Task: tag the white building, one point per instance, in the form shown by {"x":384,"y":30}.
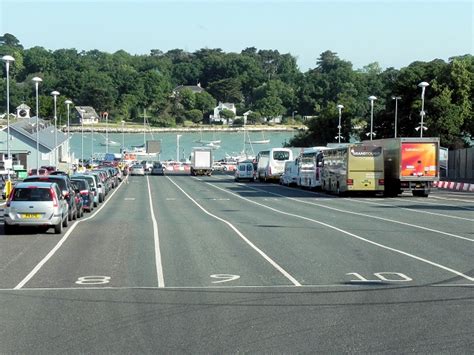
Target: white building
{"x":216,"y":117}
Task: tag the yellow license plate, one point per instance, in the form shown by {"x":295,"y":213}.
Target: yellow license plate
{"x":31,"y":215}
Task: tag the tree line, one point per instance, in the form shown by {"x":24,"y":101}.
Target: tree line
{"x":266,"y":82}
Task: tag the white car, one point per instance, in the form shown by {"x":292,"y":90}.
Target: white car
{"x":137,"y":169}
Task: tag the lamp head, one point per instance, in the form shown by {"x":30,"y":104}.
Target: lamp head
{"x":423,"y":84}
{"x":340,"y":107}
{"x":37,"y":79}
{"x":55,"y":93}
{"x":372,"y":98}
{"x":8,"y":58}
{"x":68,"y":102}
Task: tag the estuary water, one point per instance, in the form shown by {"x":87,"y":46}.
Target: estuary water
{"x":232,"y":143}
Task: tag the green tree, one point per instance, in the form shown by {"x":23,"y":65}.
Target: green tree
{"x":194,"y":115}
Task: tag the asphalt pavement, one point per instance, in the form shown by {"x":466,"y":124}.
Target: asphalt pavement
{"x":181,"y":264}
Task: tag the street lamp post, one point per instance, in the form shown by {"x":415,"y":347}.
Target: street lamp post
{"x":82,"y":136}
{"x":178,"y":136}
{"x":423,"y":86}
{"x":339,"y":107}
{"x":372,"y":99}
{"x":55,"y":95}
{"x":106,"y":132}
{"x":68,"y":103}
{"x":123,"y":136}
{"x":92,"y":138}
{"x":396,"y":98}
{"x":8,"y":59}
{"x":37,"y":80}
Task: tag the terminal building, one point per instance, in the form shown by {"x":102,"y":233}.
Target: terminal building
{"x":23,"y":133}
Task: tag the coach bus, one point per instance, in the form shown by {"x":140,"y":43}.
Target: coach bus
{"x":271,"y":163}
{"x":310,"y":165}
{"x":354,"y":168}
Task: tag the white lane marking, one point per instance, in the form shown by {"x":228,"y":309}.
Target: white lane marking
{"x":156,"y":238}
{"x":368,"y":216}
{"x":224,"y":278}
{"x":170,"y":199}
{"x":414,"y":210}
{"x":253,"y":246}
{"x":349,"y":233}
{"x":453,"y":199}
{"x":106,"y":288}
{"x":62,"y":240}
{"x":129,"y":199}
{"x":427,"y":202}
{"x":454,"y":285}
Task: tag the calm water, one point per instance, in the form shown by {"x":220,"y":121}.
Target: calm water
{"x":232,"y":143}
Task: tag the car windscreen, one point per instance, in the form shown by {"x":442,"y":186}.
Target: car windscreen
{"x":31,"y":194}
{"x":80,"y":184}
{"x":60,"y":181}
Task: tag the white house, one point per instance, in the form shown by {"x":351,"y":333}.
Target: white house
{"x":86,"y":113}
{"x":217,"y":110}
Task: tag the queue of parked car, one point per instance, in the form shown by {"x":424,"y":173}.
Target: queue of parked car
{"x":52,"y":198}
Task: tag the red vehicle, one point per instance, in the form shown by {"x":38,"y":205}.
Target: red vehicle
{"x":49,"y":168}
{"x":41,"y":171}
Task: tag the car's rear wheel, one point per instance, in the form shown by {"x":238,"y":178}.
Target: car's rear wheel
{"x":58,"y":228}
{"x":65,"y":222}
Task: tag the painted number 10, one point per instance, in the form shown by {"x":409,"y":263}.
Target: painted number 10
{"x":382,"y":276}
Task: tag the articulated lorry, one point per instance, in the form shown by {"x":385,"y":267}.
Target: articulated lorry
{"x":410,"y":164}
{"x":201,"y":161}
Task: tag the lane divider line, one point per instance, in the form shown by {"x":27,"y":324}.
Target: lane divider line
{"x":253,"y":246}
{"x":62,"y":240}
{"x":413,"y":210}
{"x":458,"y":273}
{"x":156,"y":239}
{"x":366,"y":215}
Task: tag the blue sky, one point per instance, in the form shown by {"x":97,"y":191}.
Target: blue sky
{"x":393,"y":33}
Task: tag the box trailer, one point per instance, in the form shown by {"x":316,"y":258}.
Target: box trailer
{"x":201,"y":161}
{"x":410,"y":164}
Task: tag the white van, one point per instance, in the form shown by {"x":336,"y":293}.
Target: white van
{"x":244,"y":170}
{"x":271,"y":163}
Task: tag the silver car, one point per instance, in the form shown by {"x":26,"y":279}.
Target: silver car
{"x":137,"y":170}
{"x":37,"y":204}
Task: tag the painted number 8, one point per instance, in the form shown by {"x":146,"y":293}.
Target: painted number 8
{"x":93,"y":280}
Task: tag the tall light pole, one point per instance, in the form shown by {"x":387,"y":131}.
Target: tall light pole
{"x":372,"y":99}
{"x":339,"y":107}
{"x":423,"y":86}
{"x":106,"y":114}
{"x":396,"y":98}
{"x":55,"y":95}
{"x":92,"y":138}
{"x":82,"y":135}
{"x":68,"y":104}
{"x":8,"y":59}
{"x":123,"y":135}
{"x":178,"y":136}
{"x":37,"y":80}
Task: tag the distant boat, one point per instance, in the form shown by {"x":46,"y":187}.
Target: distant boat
{"x":212,"y":145}
{"x":110,"y":143}
{"x":258,"y":141}
{"x":262,"y":141}
{"x":205,"y":142}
